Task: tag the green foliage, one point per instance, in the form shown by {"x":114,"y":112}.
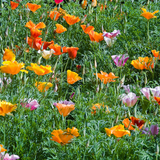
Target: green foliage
{"x":28,"y":133}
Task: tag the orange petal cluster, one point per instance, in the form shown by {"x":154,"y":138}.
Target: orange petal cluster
{"x":34,"y":29}
{"x":87,"y":29}
{"x":157,"y":99}
{"x":60,"y":28}
{"x":54,"y":14}
{"x":94,"y":36}
{"x":134,"y":121}
{"x":72,"y":52}
{"x":117,"y":131}
{"x":84,"y":4}
{"x":43,"y":86}
{"x":8,"y":55}
{"x":2,"y":149}
{"x":148,"y":15}
{"x":105,"y":78}
{"x":72,"y":77}
{"x":156,"y":54}
{"x":33,"y":7}
{"x":14,"y":5}
{"x":70,"y":19}
{"x":11,"y":67}
{"x":6,"y":108}
{"x":56,"y":48}
{"x":40,"y":70}
{"x":98,"y":106}
{"x":143,"y":63}
{"x":65,"y":109}
{"x":64,"y":136}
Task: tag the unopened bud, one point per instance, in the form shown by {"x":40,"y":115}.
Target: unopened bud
{"x":95,"y":63}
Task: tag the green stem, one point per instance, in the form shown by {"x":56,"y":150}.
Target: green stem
{"x":148,"y":30}
{"x":4,"y":130}
{"x":66,"y":64}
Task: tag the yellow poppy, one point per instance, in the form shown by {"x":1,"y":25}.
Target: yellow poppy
{"x":6,"y":108}
{"x":143,"y":63}
{"x":11,"y":67}
{"x":72,"y":77}
{"x":118,"y":131}
{"x":64,"y":136}
{"x":8,"y":55}
{"x":40,"y":70}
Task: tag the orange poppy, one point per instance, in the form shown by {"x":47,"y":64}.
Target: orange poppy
{"x":105,"y":78}
{"x":128,"y":124}
{"x":94,"y":36}
{"x":118,"y":131}
{"x":2,"y":149}
{"x":64,"y":137}
{"x":72,"y":52}
{"x":43,"y":86}
{"x":57,"y":49}
{"x":33,"y":7}
{"x":137,"y":121}
{"x":8,"y":55}
{"x":34,"y":28}
{"x":157,"y":99}
{"x":40,"y":70}
{"x":14,"y":5}
{"x":156,"y":53}
{"x":64,"y":49}
{"x":98,"y":106}
{"x":55,"y":15}
{"x":65,"y":109}
{"x":60,"y":28}
{"x":6,"y":108}
{"x":62,"y":11}
{"x":11,"y":67}
{"x":47,"y":44}
{"x":71,"y":19}
{"x":87,"y":29}
{"x":148,"y":15}
{"x":143,"y":63}
{"x":72,"y":77}
{"x":84,"y":4}
{"x":35,"y":43}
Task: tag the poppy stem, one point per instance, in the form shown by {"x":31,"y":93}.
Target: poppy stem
{"x":66,"y":64}
{"x":148,"y":30}
{"x":4,"y":130}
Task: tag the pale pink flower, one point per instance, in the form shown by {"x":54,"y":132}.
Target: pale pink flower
{"x":110,"y":38}
{"x":120,"y":60}
{"x":12,"y":157}
{"x":151,"y":92}
{"x":30,"y":104}
{"x":112,"y":34}
{"x":130,"y":99}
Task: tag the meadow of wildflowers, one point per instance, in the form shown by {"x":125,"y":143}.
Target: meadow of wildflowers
{"x":80,"y":80}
